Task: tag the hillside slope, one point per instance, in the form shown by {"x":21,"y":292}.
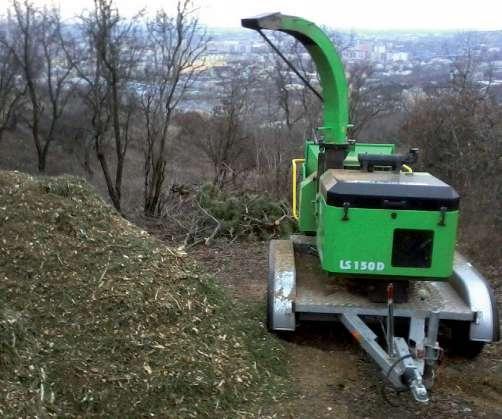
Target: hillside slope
{"x":97,"y":317}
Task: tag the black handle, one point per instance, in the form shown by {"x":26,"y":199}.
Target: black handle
{"x":394,"y":161}
{"x":387,"y":203}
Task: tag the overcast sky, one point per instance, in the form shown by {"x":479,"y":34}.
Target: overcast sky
{"x":353,"y":14}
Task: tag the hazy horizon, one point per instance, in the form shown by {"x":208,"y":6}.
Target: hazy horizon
{"x":366,"y":15}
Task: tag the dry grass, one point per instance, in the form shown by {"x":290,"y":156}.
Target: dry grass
{"x":98,"y":318}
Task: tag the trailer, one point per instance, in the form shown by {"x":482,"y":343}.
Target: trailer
{"x":299,"y":291}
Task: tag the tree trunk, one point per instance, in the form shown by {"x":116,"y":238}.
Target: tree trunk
{"x":154,"y":189}
{"x":114,"y":192}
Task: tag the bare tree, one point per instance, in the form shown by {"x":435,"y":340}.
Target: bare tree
{"x":282,"y":79}
{"x":11,"y":89}
{"x":458,"y":129}
{"x":296,"y":105}
{"x":310,"y":105}
{"x":367,"y":100}
{"x":107,"y":66}
{"x":176,"y":46}
{"x":224,"y":138}
{"x":467,"y":61}
{"x":36,"y":46}
{"x":288,"y":113}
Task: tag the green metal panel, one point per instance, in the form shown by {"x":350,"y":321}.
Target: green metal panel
{"x":308,"y":190}
{"x":308,"y":185}
{"x":348,"y":247}
{"x":311,"y":158}
{"x":328,"y":64}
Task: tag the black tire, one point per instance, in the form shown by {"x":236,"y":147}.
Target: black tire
{"x":471,"y":349}
{"x":460,"y":343}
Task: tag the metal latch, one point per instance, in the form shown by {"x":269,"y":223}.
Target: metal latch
{"x":442,"y":216}
{"x":346,"y":206}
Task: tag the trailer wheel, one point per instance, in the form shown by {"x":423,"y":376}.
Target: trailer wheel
{"x":460,"y":342}
{"x":281,"y":287}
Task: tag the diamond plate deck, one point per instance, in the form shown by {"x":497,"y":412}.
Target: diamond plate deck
{"x":320,"y":293}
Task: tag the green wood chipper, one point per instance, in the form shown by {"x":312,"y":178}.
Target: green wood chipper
{"x":377,"y":240}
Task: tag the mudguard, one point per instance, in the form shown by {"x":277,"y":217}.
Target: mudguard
{"x":478,"y":295}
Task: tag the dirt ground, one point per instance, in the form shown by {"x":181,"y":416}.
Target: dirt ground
{"x":333,"y":378}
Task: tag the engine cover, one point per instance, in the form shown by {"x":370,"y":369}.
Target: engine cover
{"x":386,"y":224}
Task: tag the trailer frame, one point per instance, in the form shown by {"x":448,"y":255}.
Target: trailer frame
{"x":298,"y":291}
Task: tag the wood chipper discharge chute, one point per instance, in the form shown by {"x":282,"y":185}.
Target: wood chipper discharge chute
{"x":377,"y":239}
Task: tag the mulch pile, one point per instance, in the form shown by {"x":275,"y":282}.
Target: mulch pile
{"x":99,"y":318}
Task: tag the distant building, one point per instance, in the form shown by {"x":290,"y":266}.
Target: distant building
{"x":398,"y":56}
